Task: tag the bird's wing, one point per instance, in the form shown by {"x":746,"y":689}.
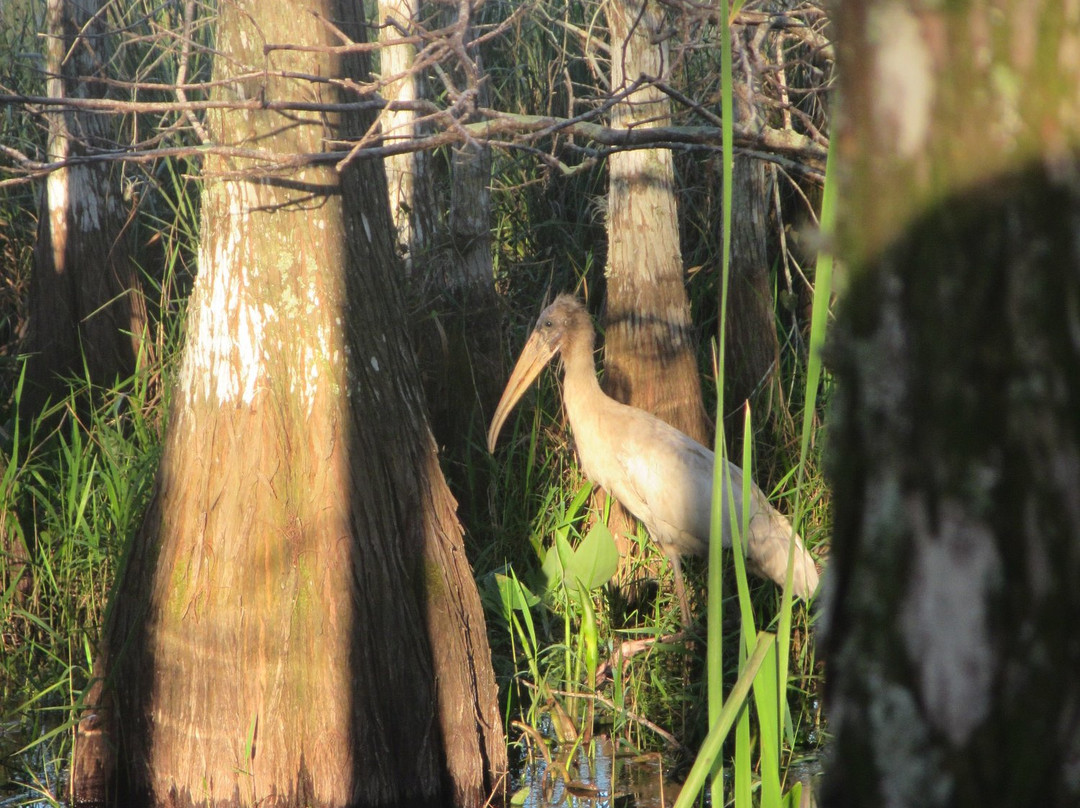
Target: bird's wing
{"x":665,"y":479}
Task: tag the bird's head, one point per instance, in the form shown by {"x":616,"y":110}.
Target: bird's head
{"x":561,"y":322}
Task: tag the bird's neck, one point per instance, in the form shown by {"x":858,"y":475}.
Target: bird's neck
{"x":580,"y":383}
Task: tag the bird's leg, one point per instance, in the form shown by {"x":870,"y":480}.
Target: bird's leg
{"x":628,"y":649}
{"x":680,"y":589}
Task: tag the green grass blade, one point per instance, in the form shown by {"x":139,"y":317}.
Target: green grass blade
{"x":714,"y":632}
{"x":714,"y":741}
{"x":768,"y":693}
{"x":768,"y":696}
{"x":743,"y":762}
{"x":819,"y":321}
{"x":739,"y":530}
{"x":715,"y":615}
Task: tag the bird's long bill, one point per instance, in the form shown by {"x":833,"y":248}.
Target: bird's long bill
{"x":534,"y":357}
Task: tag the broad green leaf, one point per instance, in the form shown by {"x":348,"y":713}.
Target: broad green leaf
{"x":514,"y":593}
{"x":594,"y":561}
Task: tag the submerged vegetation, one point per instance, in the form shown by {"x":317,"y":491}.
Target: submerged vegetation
{"x":584,"y":624}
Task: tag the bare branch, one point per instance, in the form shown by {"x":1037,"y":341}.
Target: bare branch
{"x":181,"y":72}
{"x":498,"y":129}
{"x":794,"y":141}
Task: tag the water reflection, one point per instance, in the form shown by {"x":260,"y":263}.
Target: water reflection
{"x":597,"y":776}
{"x":592,"y":775}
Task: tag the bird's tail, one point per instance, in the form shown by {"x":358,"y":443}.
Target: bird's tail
{"x":767,"y":551}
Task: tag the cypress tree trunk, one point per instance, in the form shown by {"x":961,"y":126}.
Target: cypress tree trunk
{"x":459,"y":337}
{"x":649,"y":358}
{"x":85,"y":313}
{"x":475,"y":765}
{"x":649,"y":353}
{"x":956,"y":441}
{"x":408,"y":175}
{"x":268,"y":639}
{"x":753,"y":352}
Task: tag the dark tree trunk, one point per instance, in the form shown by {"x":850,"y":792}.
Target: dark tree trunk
{"x":956,"y":441}
{"x":85,"y":314}
{"x":458,"y":331}
{"x":475,"y":763}
{"x":296,"y":622}
{"x":752,"y":350}
{"x":753,"y":353}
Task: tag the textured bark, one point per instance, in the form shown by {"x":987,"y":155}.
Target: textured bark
{"x":470,"y":219}
{"x":85,"y":305}
{"x":753,"y":352}
{"x":649,"y":358}
{"x":459,"y":339}
{"x":956,"y":435}
{"x":470,"y":194}
{"x":268,"y":637}
{"x":470,"y":724}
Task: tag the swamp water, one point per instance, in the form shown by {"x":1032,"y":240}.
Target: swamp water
{"x":592,"y":776}
{"x":601,"y":777}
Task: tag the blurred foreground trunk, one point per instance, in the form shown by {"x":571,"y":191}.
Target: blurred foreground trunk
{"x":956,"y":437}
